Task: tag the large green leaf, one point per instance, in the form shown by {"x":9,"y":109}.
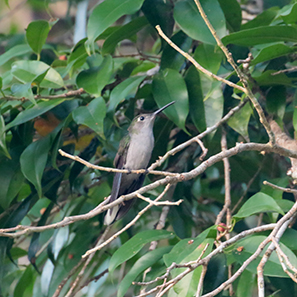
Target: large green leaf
{"x":36,"y":34}
{"x":260,"y":35}
{"x":187,"y":286}
{"x":28,"y":71}
{"x":186,"y":247}
{"x":12,"y":181}
{"x":208,"y":57}
{"x":46,"y":276}
{"x":25,"y":284}
{"x":159,"y":12}
{"x":263,"y":19}
{"x":143,"y":263}
{"x":92,"y":115}
{"x":33,"y":161}
{"x":134,"y":245}
{"x":125,"y":32}
{"x":60,"y":238}
{"x":289,"y":13}
{"x":259,"y":202}
{"x":240,"y":120}
{"x":23,"y":91}
{"x":95,"y":79}
{"x":170,"y":57}
{"x":271,"y":52}
{"x":213,"y":99}
{"x":245,"y":285}
{"x":33,"y":112}
{"x":246,"y":247}
{"x":196,"y":104}
{"x":276,"y":101}
{"x":105,"y":14}
{"x":169,"y":85}
{"x":122,"y":90}
{"x":14,"y":52}
{"x":187,"y":16}
{"x":268,"y":79}
{"x":232,"y":12}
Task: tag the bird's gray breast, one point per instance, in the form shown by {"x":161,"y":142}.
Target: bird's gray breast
{"x":140,"y":150}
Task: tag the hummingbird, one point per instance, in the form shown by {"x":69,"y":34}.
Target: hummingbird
{"x":134,"y":153}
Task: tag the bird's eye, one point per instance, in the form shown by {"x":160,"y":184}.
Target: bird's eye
{"x":141,"y":118}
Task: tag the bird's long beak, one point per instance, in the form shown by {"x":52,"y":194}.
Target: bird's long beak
{"x":162,"y":108}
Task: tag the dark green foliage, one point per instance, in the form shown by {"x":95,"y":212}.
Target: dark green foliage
{"x":42,"y":110}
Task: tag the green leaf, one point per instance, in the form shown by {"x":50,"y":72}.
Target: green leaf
{"x":232,"y":12}
{"x":265,"y":34}
{"x":23,"y":91}
{"x":159,"y":12}
{"x":213,"y":100}
{"x":28,"y":71}
{"x":124,"y":32}
{"x":60,"y":239}
{"x":92,"y":115}
{"x":124,"y":89}
{"x":170,"y":57}
{"x":187,"y":286}
{"x":12,"y":181}
{"x":246,"y":284}
{"x":78,"y":55}
{"x":243,"y":249}
{"x":3,"y":137}
{"x":141,"y":264}
{"x":105,"y":14}
{"x":34,"y":111}
{"x":95,"y":79}
{"x":273,"y":51}
{"x":25,"y":283}
{"x":208,"y":57}
{"x":168,"y":85}
{"x":259,"y":202}
{"x":33,"y":161}
{"x":240,"y":120}
{"x":46,"y":276}
{"x":289,"y":13}
{"x":263,"y":19}
{"x":187,"y":16}
{"x":186,"y":247}
{"x":285,"y":205}
{"x":34,"y":243}
{"x":196,"y":104}
{"x":276,"y":101}
{"x":267,"y":79}
{"x":13,"y":52}
{"x":36,"y":34}
{"x":135,"y":244}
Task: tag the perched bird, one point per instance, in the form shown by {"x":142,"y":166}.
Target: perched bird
{"x":134,"y":153}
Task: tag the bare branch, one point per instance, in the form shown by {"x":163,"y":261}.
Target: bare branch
{"x":151,"y":203}
{"x":195,"y":63}
{"x":247,"y":90}
{"x":108,"y":169}
{"x":239,"y":148}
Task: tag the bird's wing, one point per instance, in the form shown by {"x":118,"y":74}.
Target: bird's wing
{"x":119,"y":163}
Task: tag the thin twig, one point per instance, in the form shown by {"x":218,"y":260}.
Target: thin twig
{"x":216,"y":251}
{"x":239,"y":148}
{"x":246,"y":89}
{"x":87,"y":262}
{"x":195,"y":63}
{"x":209,"y":130}
{"x":99,"y":247}
{"x":115,"y":170}
{"x":63,"y":95}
